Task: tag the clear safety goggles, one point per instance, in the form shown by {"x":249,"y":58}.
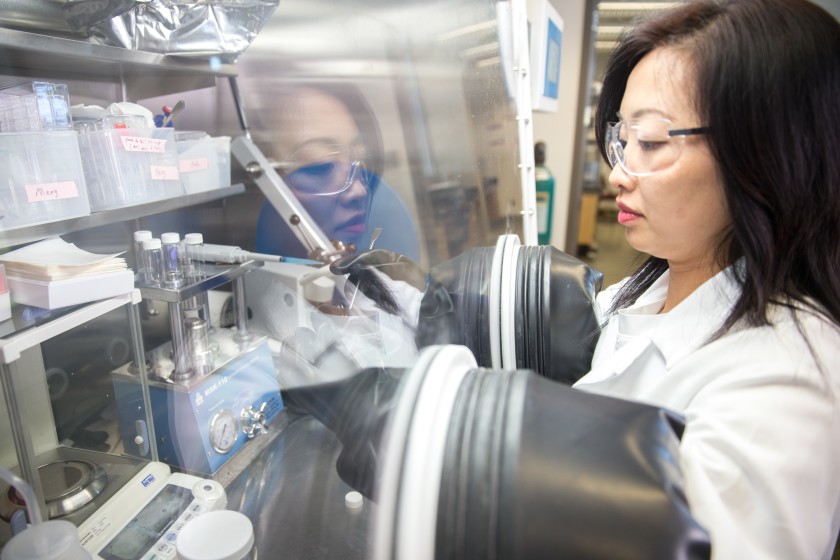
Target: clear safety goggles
{"x":647,"y":145}
{"x":323,"y":169}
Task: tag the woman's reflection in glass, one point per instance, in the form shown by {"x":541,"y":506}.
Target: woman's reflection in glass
{"x":325,"y":143}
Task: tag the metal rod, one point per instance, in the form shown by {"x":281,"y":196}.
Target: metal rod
{"x":23,"y":443}
{"x":179,"y":343}
{"x":241,"y":309}
{"x":140,"y":361}
{"x":240,"y":107}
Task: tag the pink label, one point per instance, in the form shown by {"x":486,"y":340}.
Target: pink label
{"x":51,"y":191}
{"x":189,"y":165}
{"x":142,"y":144}
{"x":164,"y":173}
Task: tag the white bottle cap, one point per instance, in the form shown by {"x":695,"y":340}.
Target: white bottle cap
{"x":194,"y":239}
{"x":149,"y":244}
{"x":142,"y":235}
{"x":216,"y":535}
{"x":170,"y":237}
{"x":354,"y":500}
{"x":319,"y":290}
{"x":50,"y":540}
{"x":210,"y":491}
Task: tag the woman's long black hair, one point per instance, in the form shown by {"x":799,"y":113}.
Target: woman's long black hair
{"x":768,"y":87}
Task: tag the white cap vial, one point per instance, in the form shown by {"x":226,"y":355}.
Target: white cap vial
{"x":192,"y":255}
{"x":152,"y":259}
{"x":194,"y":239}
{"x":170,"y":237}
{"x":139,"y":237}
{"x":171,"y":274}
{"x":150,"y":244}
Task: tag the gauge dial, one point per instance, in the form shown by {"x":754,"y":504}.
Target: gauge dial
{"x":224,"y":429}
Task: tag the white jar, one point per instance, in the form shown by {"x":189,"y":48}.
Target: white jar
{"x":217,"y":535}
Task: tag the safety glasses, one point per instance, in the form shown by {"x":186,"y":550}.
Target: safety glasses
{"x":647,"y":145}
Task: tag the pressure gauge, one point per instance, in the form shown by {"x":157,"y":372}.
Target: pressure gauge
{"x":224,"y":429}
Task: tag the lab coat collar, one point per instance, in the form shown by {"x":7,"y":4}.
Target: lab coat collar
{"x":691,"y":324}
{"x":682,"y":330}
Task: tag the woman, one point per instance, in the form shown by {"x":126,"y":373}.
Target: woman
{"x":720,"y":122}
{"x":325,"y":143}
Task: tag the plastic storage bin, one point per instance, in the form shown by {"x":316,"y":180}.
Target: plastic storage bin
{"x":204,"y":161}
{"x":41,"y":178}
{"x":35,"y":106}
{"x":128,"y":166}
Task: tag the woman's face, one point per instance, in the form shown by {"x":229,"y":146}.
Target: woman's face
{"x":678,"y":213}
{"x":321,"y":147}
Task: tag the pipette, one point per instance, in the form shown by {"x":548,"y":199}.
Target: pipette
{"x":231,"y":254}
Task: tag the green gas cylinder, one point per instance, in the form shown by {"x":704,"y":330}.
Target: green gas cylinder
{"x":545,"y":195}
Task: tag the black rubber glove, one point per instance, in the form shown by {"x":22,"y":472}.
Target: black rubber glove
{"x":356,"y":410}
{"x":554,"y":313}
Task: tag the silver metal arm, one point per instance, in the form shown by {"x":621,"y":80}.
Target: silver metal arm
{"x":284,"y":201}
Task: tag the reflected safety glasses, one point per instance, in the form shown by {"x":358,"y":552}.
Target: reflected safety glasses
{"x":646,"y":145}
{"x":323,"y":169}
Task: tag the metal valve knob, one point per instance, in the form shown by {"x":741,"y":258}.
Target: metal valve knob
{"x":253,"y":421}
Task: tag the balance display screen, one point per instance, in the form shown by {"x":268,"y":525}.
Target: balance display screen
{"x":149,"y":524}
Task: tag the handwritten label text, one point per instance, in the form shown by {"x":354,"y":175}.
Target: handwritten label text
{"x":51,"y":191}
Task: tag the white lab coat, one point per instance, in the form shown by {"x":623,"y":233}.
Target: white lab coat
{"x":761,"y":450}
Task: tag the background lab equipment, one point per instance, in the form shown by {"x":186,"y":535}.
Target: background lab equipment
{"x":449,"y":108}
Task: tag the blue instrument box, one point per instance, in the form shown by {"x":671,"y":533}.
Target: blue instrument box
{"x":199,"y":425}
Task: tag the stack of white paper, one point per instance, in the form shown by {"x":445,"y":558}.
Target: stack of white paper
{"x":55,"y":259}
{"x":53,"y":273}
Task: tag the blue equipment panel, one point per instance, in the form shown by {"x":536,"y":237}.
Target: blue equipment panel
{"x":199,"y":426}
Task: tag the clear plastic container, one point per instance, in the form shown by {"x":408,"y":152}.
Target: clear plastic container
{"x":125,"y":165}
{"x":204,"y":161}
{"x":50,"y":540}
{"x":41,"y":178}
{"x":35,"y":106}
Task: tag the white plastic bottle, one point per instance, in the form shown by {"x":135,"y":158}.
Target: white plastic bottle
{"x":50,"y":540}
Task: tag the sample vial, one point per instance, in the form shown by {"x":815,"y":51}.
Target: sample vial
{"x":193,"y":242}
{"x":152,"y":262}
{"x":194,"y":269}
{"x":139,"y":237}
{"x":172,"y":274}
